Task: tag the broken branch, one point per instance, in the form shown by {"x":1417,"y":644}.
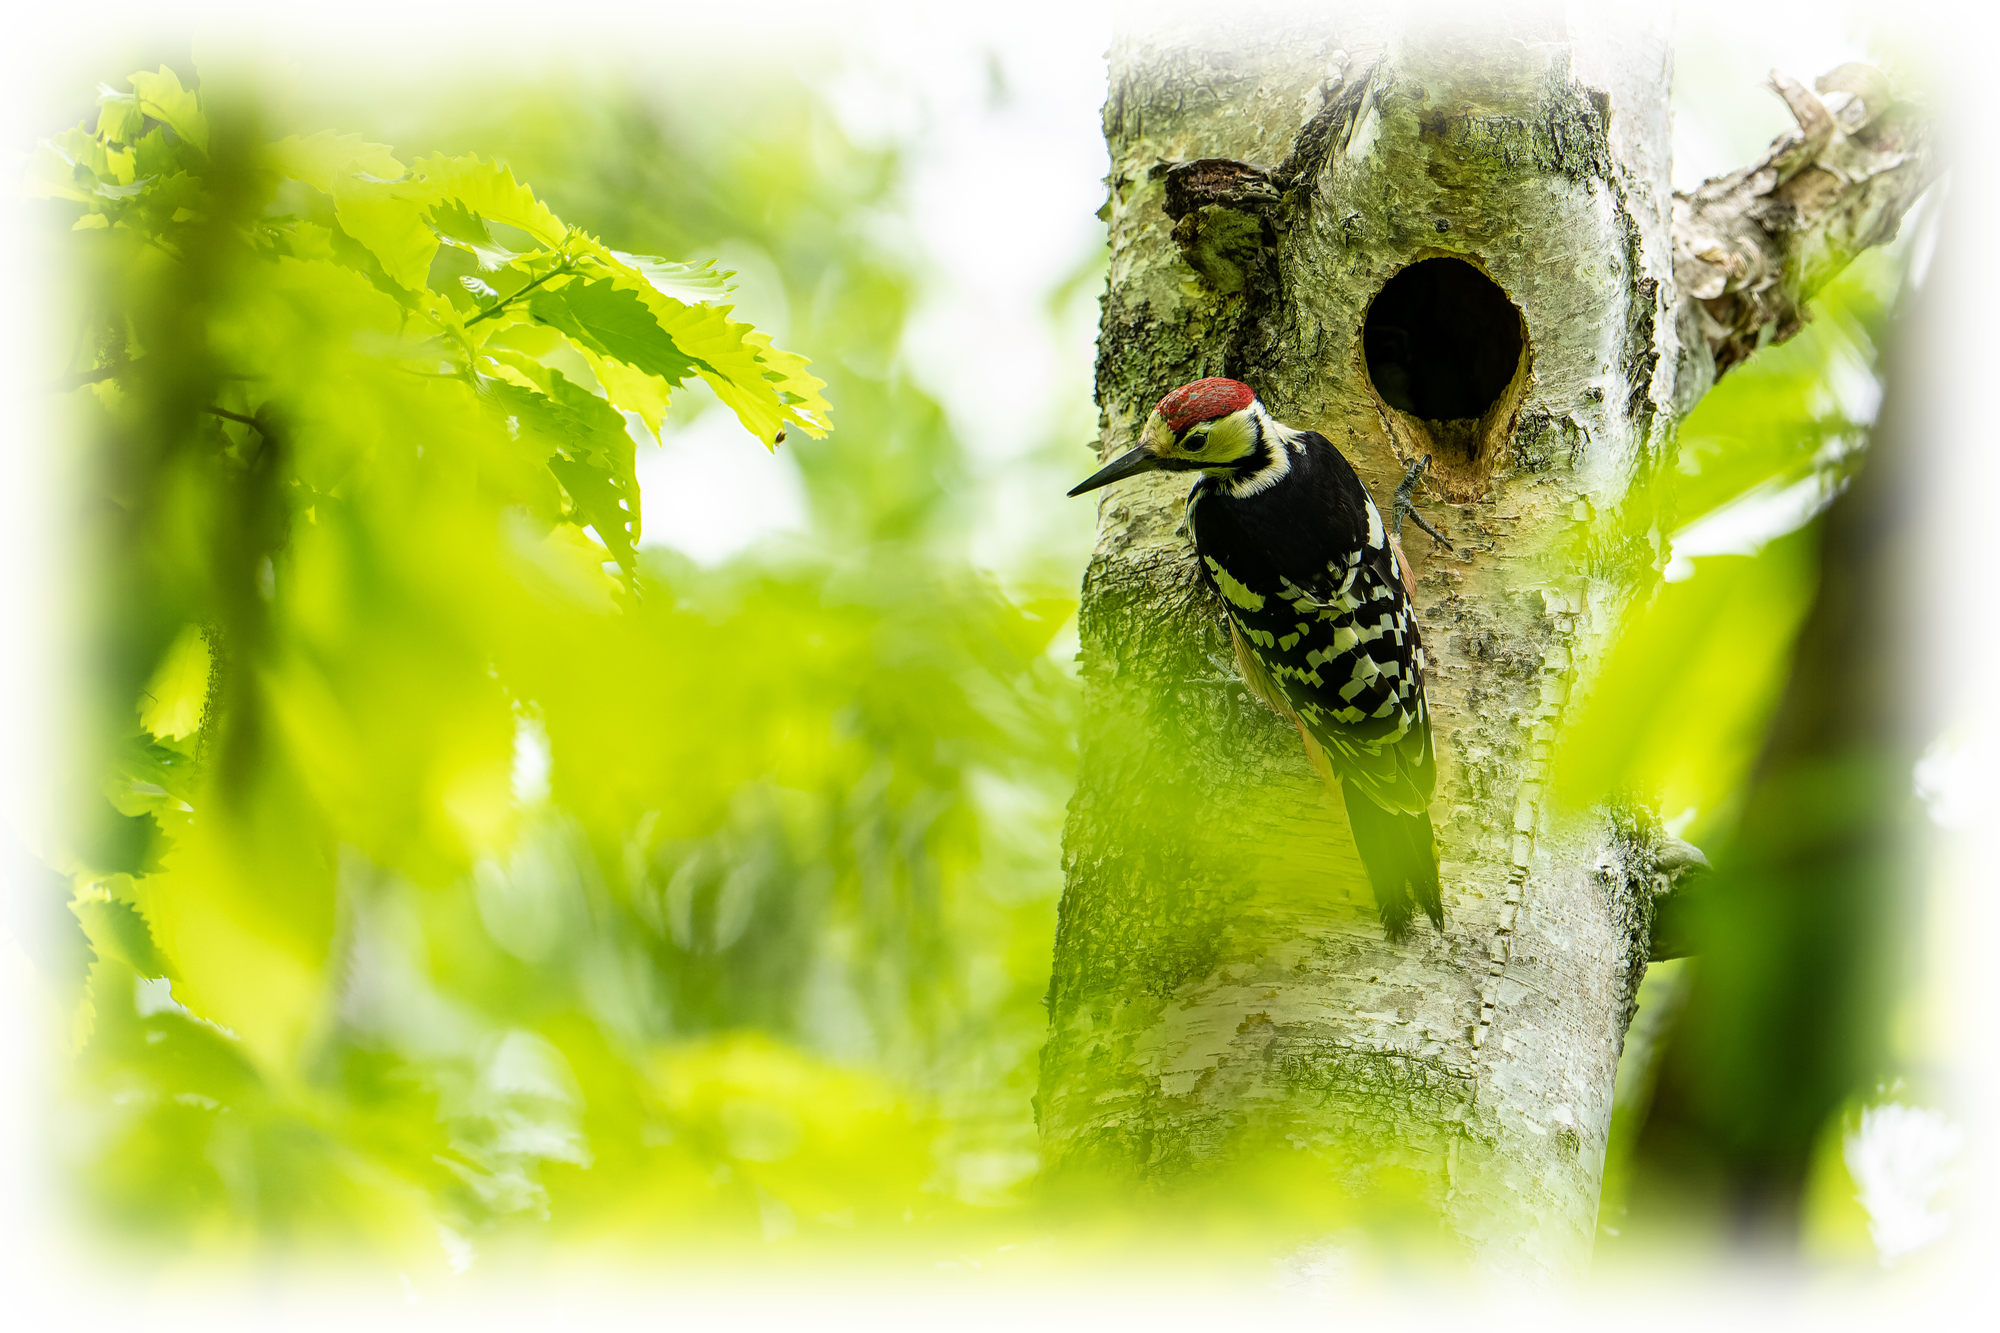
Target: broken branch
{"x":1752,"y":247}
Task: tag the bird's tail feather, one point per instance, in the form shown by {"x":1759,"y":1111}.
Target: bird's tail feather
{"x":1400,"y":853}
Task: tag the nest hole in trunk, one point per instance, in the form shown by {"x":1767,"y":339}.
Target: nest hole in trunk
{"x":1447,"y":353}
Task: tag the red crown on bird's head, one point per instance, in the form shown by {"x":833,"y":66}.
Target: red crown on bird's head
{"x":1204,"y":400}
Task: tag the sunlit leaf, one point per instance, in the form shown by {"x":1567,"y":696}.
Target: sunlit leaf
{"x":455,"y":226}
{"x":119,"y":117}
{"x":318,"y":159}
{"x":488,"y":190}
{"x":162,"y":97}
{"x":591,"y":453}
{"x":694,"y":283}
{"x":764,"y":387}
{"x":53,"y":174}
{"x":390,"y":225}
{"x":116,"y":930}
{"x":176,"y":696}
{"x":108,"y":167}
{"x":613,"y":323}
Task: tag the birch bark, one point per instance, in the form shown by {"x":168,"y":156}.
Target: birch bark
{"x":1222,"y":997}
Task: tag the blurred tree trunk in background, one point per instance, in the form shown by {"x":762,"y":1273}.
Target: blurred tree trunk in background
{"x":1810,"y":920}
{"x":1224,"y":1010}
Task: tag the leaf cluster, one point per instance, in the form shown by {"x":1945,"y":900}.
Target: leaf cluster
{"x":281,"y":347}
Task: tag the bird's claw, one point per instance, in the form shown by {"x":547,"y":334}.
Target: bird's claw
{"x":1405,"y":505}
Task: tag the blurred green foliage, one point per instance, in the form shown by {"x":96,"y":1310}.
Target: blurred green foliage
{"x":1757,"y":461}
{"x":387,"y":831}
{"x":437,"y":909}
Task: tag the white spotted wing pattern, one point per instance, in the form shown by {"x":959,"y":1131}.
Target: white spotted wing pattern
{"x":1341,"y":653}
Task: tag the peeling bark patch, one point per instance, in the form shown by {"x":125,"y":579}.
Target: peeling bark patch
{"x":1542,"y":440}
{"x":1328,"y":131}
{"x":1217,"y":181}
{"x":1440,"y":1091}
{"x":1558,"y":669}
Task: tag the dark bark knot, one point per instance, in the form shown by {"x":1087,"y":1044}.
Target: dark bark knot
{"x":1224,"y":215}
{"x":1229,"y":218}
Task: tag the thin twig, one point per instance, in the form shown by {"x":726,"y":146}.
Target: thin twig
{"x":507,"y":300}
{"x":228,"y":415}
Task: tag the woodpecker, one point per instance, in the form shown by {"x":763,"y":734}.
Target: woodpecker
{"x":1319,"y":612}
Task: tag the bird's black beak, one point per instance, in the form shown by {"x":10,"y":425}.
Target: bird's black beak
{"x":1140,"y":458}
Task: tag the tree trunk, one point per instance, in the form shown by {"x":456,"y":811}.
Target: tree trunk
{"x":1223,"y":998}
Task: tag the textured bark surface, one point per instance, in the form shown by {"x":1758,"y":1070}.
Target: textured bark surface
{"x":1222,"y":990}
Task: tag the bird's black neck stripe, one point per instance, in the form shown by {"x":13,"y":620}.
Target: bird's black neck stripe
{"x":1269,"y":461}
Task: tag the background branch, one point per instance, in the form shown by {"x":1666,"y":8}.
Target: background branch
{"x":1751,"y":247}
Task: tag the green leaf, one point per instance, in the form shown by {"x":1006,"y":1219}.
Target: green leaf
{"x":785,"y":391}
{"x":154,"y":156}
{"x":317,"y":159}
{"x":615,"y":323}
{"x":162,"y":97}
{"x":389,"y":226}
{"x":41,"y":917}
{"x":592,"y":455}
{"x":103,"y":837}
{"x":468,"y":231}
{"x":83,"y":149}
{"x":696,"y":284}
{"x":596,"y":494}
{"x":489,"y":190}
{"x":123,"y":933}
{"x":119,"y":118}
{"x":155,"y":776}
{"x":766,"y":388}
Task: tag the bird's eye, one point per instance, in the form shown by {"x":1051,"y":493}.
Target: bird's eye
{"x":1195,"y":440}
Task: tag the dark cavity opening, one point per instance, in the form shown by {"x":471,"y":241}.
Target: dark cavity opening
{"x":1442,"y":340}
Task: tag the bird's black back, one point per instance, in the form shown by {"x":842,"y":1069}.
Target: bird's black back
{"x":1306,"y":571}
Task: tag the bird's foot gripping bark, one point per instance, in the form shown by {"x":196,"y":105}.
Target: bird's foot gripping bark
{"x":1405,"y":505}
